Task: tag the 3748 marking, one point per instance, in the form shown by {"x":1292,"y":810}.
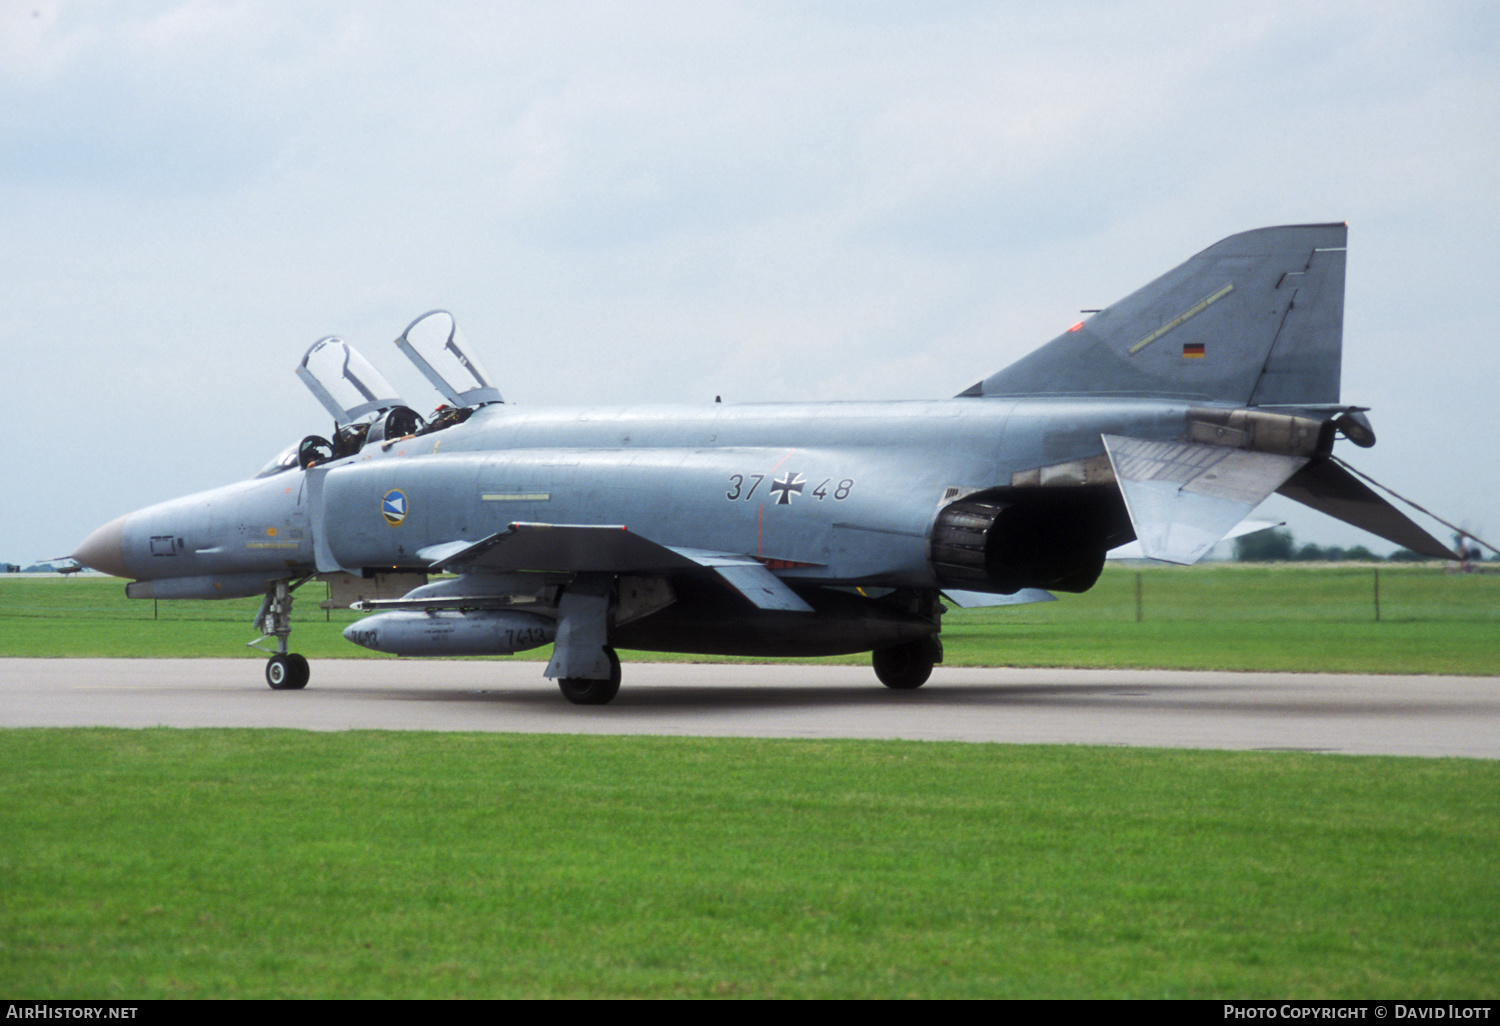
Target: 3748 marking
{"x":783,"y":488}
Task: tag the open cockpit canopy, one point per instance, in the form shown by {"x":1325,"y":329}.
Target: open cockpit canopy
{"x":434,"y":343}
{"x":365,"y":407}
{"x":345,"y":382}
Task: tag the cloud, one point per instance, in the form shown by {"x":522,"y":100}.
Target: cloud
{"x":660,"y":201}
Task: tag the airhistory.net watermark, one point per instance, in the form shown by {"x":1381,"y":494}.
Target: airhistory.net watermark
{"x":53,"y":1010}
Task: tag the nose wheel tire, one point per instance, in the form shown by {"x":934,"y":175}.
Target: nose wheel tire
{"x":287,"y":672}
{"x":582,"y":691}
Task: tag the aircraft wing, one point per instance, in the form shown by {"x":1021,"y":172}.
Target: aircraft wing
{"x":610,"y":548}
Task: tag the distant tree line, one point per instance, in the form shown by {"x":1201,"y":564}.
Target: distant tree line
{"x":1278,"y":546}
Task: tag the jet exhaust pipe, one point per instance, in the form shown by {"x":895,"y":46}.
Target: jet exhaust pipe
{"x":998,"y":546}
{"x":480,"y":632}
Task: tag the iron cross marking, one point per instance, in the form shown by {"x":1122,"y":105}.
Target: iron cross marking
{"x":785,"y":486}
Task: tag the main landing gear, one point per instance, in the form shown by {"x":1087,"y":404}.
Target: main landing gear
{"x":285,"y":671}
{"x":581,"y":652}
{"x":904,"y":667}
{"x":582,"y":691}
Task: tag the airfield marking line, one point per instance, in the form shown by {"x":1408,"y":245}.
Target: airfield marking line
{"x":115,"y":687}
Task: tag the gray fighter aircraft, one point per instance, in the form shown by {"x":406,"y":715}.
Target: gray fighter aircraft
{"x":788,"y":529}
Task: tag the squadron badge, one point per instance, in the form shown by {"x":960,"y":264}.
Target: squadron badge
{"x":393,"y":506}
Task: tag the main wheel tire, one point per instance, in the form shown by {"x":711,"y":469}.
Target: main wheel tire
{"x":583,"y":691}
{"x":287,"y":672}
{"x":904,"y":667}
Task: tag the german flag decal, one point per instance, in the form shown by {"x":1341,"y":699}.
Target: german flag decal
{"x":1192,"y":350}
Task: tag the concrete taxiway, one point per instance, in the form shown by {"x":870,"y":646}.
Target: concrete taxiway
{"x":1429,"y":716}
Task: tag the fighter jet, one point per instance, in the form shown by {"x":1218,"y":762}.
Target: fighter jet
{"x":784,"y":529}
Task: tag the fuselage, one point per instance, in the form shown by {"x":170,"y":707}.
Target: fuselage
{"x":822,"y":492}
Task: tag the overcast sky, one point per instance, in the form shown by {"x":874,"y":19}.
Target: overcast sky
{"x":661,"y":202}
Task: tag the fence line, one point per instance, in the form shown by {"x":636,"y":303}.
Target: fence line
{"x":1251,"y":592}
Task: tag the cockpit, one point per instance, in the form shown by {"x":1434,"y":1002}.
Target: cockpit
{"x":365,"y":407}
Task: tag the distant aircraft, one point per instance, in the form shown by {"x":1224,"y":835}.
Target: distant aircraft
{"x":65,"y":569}
{"x":784,"y":529}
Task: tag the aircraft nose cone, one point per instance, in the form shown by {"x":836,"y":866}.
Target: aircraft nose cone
{"x":101,"y":550}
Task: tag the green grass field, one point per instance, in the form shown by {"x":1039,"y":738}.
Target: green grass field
{"x":216,"y":863}
{"x":1228,"y":617}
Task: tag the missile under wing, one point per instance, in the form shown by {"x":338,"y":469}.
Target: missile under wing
{"x":785,"y":529}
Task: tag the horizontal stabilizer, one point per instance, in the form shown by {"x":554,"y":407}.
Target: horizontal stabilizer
{"x":1184,"y":497}
{"x":603,"y":548}
{"x":1329,"y":488}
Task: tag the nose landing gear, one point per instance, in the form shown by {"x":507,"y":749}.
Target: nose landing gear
{"x":285,"y":671}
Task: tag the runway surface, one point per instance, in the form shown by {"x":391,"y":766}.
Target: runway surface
{"x":1431,"y":716}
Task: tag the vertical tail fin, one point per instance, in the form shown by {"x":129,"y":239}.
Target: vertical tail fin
{"x":1256,"y":320}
